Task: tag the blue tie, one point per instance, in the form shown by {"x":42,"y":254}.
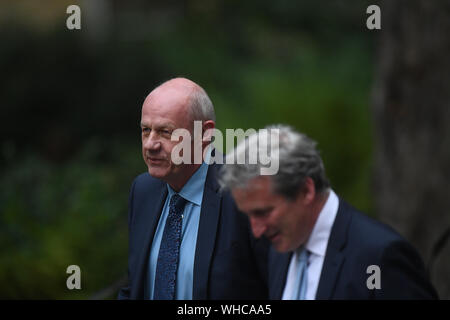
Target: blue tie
{"x":166,"y":269}
{"x":302,"y":276}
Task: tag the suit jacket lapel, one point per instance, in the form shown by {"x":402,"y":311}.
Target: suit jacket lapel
{"x":278,"y":269}
{"x":151,"y":212}
{"x":207,"y":231}
{"x":334,"y":256}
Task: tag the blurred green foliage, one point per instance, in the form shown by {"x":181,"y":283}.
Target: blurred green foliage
{"x":71,"y":106}
{"x":54,"y":216}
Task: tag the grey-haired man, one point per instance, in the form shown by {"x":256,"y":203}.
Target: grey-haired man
{"x":322,"y":248}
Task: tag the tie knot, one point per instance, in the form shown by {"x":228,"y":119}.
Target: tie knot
{"x":177,"y":202}
{"x":303,"y":256}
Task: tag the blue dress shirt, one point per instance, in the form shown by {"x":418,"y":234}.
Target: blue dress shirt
{"x":193,"y":192}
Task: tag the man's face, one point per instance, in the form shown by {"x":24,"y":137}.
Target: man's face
{"x":287,"y":224}
{"x":163,"y":111}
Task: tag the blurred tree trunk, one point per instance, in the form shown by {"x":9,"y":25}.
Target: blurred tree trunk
{"x":411,"y":108}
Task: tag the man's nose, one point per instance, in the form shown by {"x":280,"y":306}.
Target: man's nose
{"x":258,"y":227}
{"x":152,"y":142}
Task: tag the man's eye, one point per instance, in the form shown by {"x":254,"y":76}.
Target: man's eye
{"x":166,"y":132}
{"x":145,"y":130}
{"x":261,"y":213}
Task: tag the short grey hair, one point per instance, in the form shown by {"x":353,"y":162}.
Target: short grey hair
{"x":298,"y":159}
{"x":201,"y":105}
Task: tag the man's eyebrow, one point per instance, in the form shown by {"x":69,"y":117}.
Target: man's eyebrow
{"x":160,"y":126}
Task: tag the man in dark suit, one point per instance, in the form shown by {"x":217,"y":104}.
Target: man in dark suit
{"x":186,"y":238}
{"x":322,"y":248}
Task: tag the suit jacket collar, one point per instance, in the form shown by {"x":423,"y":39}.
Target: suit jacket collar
{"x":151,"y":212}
{"x":278,"y":269}
{"x":207,"y":231}
{"x":334,"y":256}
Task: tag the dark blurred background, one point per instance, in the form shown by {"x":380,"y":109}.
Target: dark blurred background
{"x":376,"y":101}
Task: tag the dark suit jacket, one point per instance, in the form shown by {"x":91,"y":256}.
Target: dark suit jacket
{"x":229,"y":262}
{"x":356,"y":242}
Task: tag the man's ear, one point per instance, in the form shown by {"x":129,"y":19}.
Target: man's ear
{"x":308,"y":191}
{"x":207,"y":131}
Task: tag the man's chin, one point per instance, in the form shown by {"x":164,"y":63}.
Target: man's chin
{"x":157,"y":173}
{"x":281,"y":247}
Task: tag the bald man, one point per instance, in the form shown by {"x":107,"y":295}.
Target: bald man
{"x":187,"y":240}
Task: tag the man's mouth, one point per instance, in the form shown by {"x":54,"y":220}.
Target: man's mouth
{"x":153,"y":160}
{"x":273,"y":237}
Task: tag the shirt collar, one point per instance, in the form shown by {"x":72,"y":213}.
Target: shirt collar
{"x":318,"y":240}
{"x":193,"y":189}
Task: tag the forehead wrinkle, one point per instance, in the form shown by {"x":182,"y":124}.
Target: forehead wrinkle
{"x":183,"y":91}
{"x":158,"y":124}
{"x":182,"y":98}
{"x":165,"y":106}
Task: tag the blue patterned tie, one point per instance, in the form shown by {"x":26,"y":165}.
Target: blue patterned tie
{"x":166,"y":269}
{"x":302,"y":277}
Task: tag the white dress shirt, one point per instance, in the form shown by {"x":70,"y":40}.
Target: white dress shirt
{"x":317,"y":246}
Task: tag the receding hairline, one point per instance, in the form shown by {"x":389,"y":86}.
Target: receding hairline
{"x":187,"y":87}
{"x":183,"y":84}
